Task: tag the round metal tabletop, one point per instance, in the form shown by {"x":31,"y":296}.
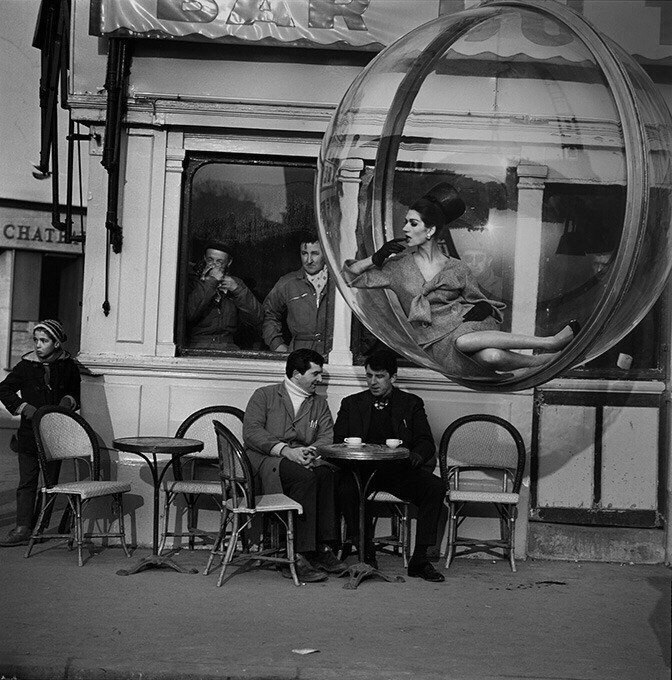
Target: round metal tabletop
{"x":374,"y":452}
{"x":157,"y":445}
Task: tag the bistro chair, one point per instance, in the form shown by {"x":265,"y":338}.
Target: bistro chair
{"x":241,"y":501}
{"x":188,"y":470}
{"x":399,"y":538}
{"x":62,"y":434}
{"x":482,"y":458}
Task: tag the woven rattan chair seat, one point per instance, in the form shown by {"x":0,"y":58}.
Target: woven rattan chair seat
{"x":483,"y":496}
{"x":195,"y":486}
{"x":272,"y":502}
{"x":90,"y":489}
{"x":385,"y":497}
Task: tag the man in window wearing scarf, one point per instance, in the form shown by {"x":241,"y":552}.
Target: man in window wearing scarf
{"x":44,"y":377}
{"x":283,"y":425}
{"x":304,"y":300}
{"x":384,"y":412}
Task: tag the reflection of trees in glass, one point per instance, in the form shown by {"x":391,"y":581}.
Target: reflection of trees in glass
{"x":579,"y":221}
{"x":260,"y":222}
{"x":223,"y":212}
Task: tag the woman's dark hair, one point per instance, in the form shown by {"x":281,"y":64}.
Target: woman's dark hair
{"x":300,"y":360}
{"x":441,"y":205}
{"x":382,"y":360}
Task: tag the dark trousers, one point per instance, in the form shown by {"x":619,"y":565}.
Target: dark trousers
{"x":315,"y":489}
{"x":420,"y":487}
{"x":29,"y":475}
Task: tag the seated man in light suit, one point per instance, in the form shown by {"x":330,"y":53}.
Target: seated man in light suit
{"x":282,"y":426}
{"x":384,"y":412}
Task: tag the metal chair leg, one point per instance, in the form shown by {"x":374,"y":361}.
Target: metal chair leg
{"x":405,"y":534}
{"x":80,"y":530}
{"x":396,"y":529}
{"x":166,"y":518}
{"x":452,"y":534}
{"x":231,"y":548}
{"x":223,"y":521}
{"x":36,"y":532}
{"x":290,"y":547}
{"x":71,"y":526}
{"x":120,"y":519}
{"x":512,"y":539}
{"x":191,"y":519}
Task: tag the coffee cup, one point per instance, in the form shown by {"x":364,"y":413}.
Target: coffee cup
{"x":393,"y":443}
{"x":353,"y":441}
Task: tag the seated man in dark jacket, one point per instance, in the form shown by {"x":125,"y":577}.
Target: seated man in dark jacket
{"x":383,"y":412}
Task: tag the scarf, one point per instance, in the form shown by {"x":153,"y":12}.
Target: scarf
{"x":319,"y":281}
{"x":297,"y":394}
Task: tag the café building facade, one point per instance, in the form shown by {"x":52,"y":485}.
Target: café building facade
{"x":225,"y":107}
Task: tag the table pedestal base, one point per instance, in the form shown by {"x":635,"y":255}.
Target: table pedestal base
{"x":156,"y":562}
{"x":358,"y":572}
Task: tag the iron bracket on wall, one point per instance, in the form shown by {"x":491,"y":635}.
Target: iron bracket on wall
{"x":116,"y":84}
{"x":52,"y":38}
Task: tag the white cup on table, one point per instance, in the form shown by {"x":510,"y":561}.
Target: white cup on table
{"x":393,"y":443}
{"x":353,"y":441}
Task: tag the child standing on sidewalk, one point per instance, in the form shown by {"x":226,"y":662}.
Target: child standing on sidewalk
{"x":45,"y":377}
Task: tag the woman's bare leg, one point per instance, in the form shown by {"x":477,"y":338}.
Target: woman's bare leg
{"x":506,"y":360}
{"x":470,"y":343}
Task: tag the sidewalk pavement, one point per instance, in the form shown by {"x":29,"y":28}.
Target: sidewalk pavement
{"x":550,"y":620}
{"x":559,"y":620}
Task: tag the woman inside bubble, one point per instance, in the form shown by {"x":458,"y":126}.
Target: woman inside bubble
{"x":451,"y":319}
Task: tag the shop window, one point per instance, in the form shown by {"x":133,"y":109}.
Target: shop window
{"x":260,"y":210}
{"x":582,"y":231}
{"x":638,"y":356}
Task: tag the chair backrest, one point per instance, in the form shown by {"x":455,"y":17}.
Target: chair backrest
{"x":483,"y":441}
{"x":61,"y":434}
{"x":198,"y":425}
{"x":235,"y":470}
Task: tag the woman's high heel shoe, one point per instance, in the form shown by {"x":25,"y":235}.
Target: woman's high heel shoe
{"x":575,"y":326}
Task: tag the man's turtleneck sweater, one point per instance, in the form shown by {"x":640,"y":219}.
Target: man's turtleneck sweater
{"x":297,"y":396}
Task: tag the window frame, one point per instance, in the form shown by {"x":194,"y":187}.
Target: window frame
{"x":194,"y":160}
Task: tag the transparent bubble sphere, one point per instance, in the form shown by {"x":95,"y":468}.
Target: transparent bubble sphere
{"x":557,"y":146}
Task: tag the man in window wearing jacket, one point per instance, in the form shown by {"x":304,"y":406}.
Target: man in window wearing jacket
{"x":304,"y":300}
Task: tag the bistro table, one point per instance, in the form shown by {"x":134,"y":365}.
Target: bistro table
{"x":144,"y":447}
{"x":354,"y":455}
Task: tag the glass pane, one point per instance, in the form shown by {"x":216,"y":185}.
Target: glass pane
{"x":244,"y":222}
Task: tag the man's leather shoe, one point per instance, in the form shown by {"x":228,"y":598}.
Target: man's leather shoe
{"x":17,"y":536}
{"x":327,"y":561}
{"x":426,"y":570}
{"x":305,"y":571}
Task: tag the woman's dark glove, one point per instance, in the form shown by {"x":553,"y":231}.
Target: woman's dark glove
{"x":389,"y":248}
{"x":481,"y":310}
